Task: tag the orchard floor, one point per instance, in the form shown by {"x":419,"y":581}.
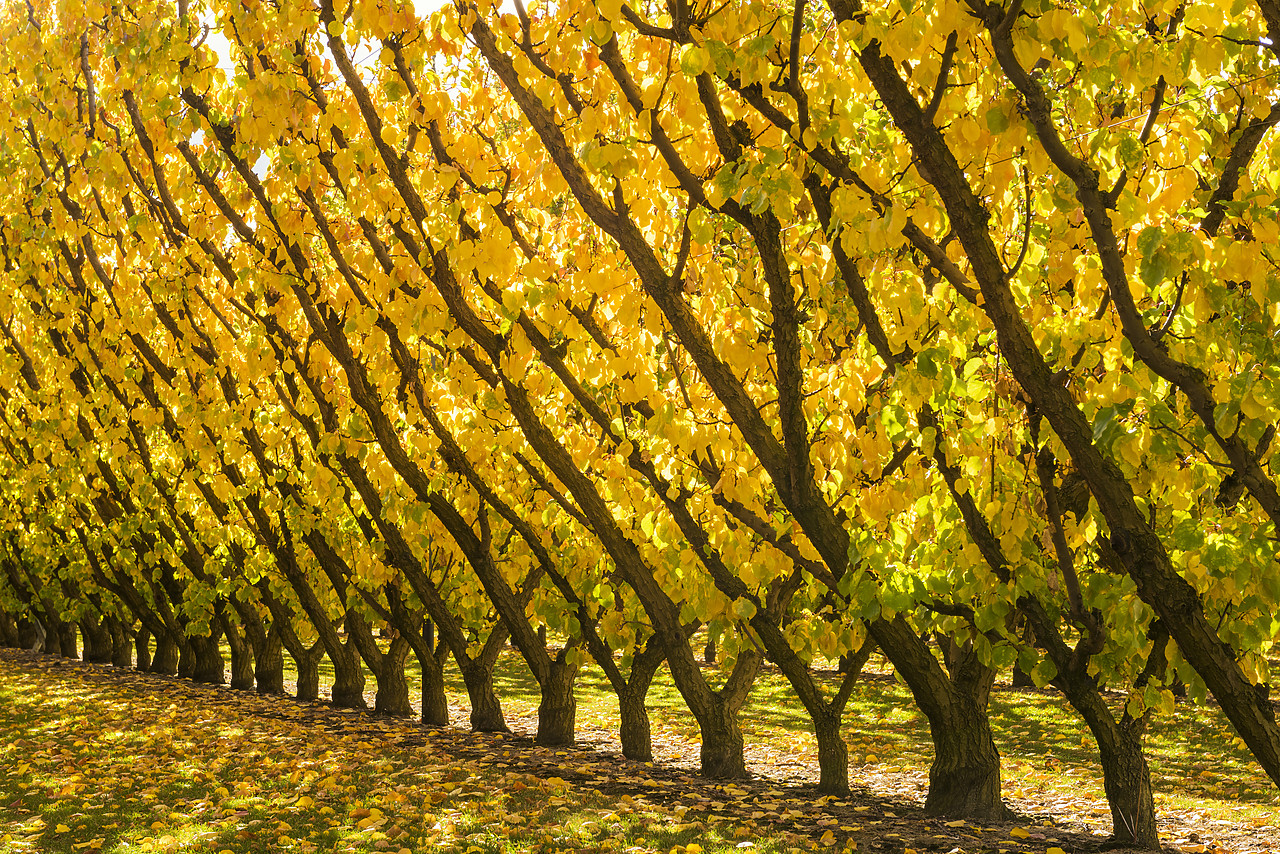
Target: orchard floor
{"x":98,"y":759}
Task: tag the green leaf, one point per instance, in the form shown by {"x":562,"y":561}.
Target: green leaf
{"x":694,"y":59}
{"x":997,"y":120}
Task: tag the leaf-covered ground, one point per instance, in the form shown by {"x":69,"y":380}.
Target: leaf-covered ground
{"x":95,"y":759}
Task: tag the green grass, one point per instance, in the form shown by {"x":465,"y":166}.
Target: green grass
{"x":1050,"y":759}
{"x":1204,"y":778}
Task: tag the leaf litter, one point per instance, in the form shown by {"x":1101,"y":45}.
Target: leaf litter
{"x":93,"y":758}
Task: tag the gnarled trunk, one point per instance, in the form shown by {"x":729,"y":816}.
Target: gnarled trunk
{"x":486,"y":711}
{"x":142,"y":646}
{"x":431,"y":658}
{"x":121,"y":643}
{"x":207,"y":665}
{"x":721,"y":754}
{"x":1126,"y":778}
{"x":833,"y":754}
{"x":242,"y":667}
{"x":558,"y":708}
{"x":8,"y":630}
{"x":1127,"y":782}
{"x":393,"y":689}
{"x":97,"y":640}
{"x":67,"y":640}
{"x":964,"y":779}
{"x":348,"y":678}
{"x":637,"y":739}
{"x":308,"y":675}
{"x":165,"y":659}
{"x":268,"y":664}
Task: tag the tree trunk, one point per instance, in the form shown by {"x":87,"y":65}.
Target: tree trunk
{"x":486,"y":711}
{"x":721,"y":754}
{"x":242,"y":667}
{"x":637,"y":740}
{"x":29,"y":634}
{"x":557,"y":711}
{"x":166,"y":658}
{"x":142,"y":645}
{"x":393,"y":689}
{"x":8,"y":630}
{"x":207,"y":665}
{"x":268,"y":664}
{"x":121,"y":643}
{"x":97,"y":640}
{"x":186,"y":659}
{"x":348,"y":679}
{"x":431,"y":659}
{"x":1125,"y":776}
{"x":964,"y":779}
{"x":1127,"y":781}
{"x":50,"y":643}
{"x":308,"y":665}
{"x":67,"y":640}
{"x":833,"y":754}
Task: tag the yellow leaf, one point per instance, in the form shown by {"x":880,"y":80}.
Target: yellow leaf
{"x":1055,"y":851}
{"x":828,"y":838}
{"x":62,"y":828}
{"x":955,"y":824}
{"x":1019,"y":833}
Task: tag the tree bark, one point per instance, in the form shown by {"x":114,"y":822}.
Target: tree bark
{"x":97,"y":640}
{"x":308,"y":665}
{"x":634,"y":732}
{"x":431,"y":659}
{"x":486,"y":710}
{"x":242,"y":666}
{"x":833,"y":754}
{"x":393,"y":689}
{"x":348,"y":678}
{"x":8,"y":630}
{"x":121,"y":642}
{"x":721,"y":754}
{"x":207,"y":665}
{"x":30,"y":634}
{"x":165,"y":659}
{"x":964,"y":779}
{"x":1126,"y":778}
{"x":54,"y":636}
{"x":142,"y":645}
{"x":268,"y":664}
{"x":558,"y":709}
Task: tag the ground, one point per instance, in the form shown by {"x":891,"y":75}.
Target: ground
{"x":97,"y":759}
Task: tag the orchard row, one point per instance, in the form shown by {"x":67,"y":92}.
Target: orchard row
{"x":946,"y":331}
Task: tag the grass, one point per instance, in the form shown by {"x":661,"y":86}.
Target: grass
{"x":152,"y":766}
{"x":1050,"y":759}
{"x":100,"y":767}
